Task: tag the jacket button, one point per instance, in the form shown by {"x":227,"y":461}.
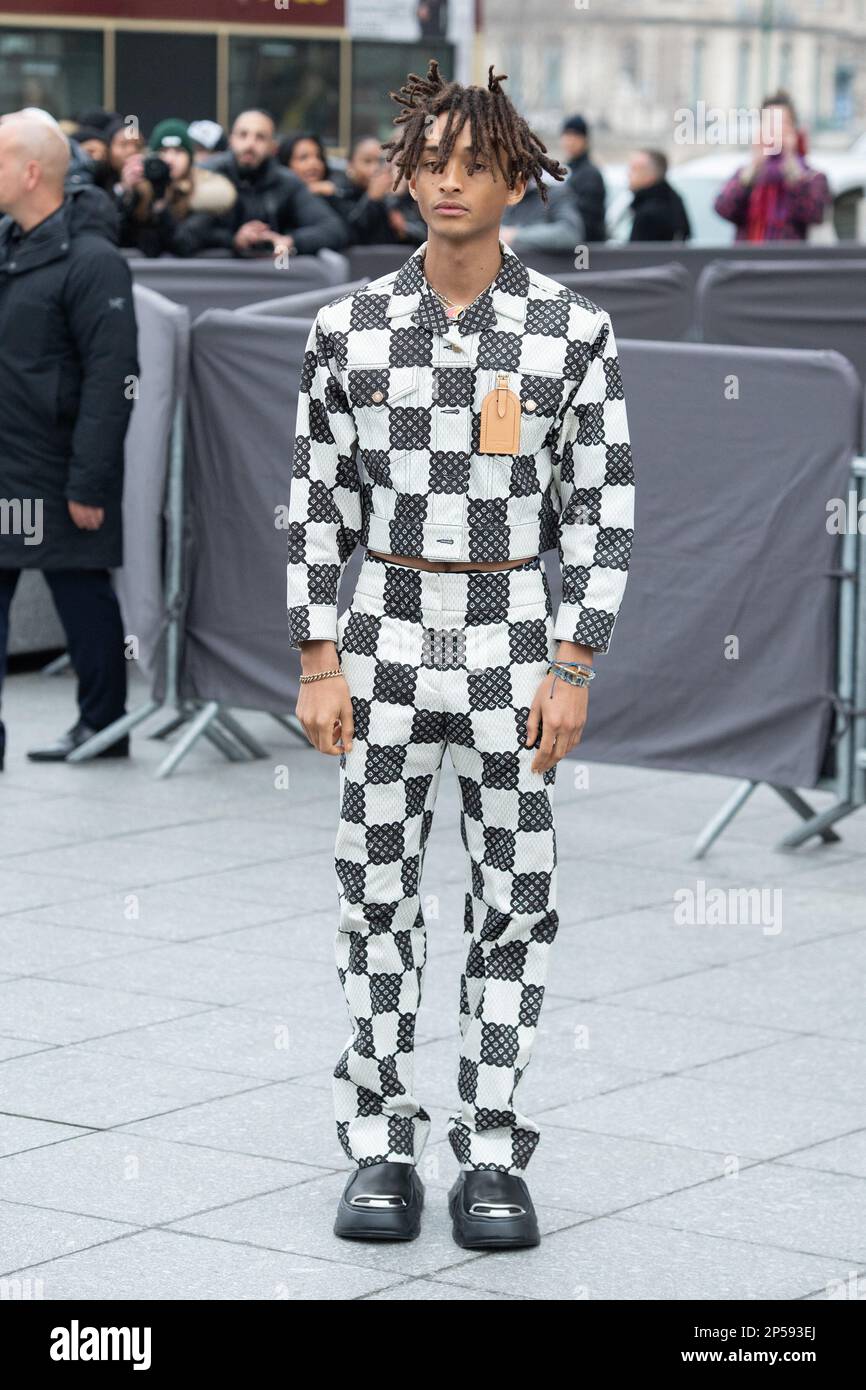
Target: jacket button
{"x":377,"y":396}
{"x":530,"y":405}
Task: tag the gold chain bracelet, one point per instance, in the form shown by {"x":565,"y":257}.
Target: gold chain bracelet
{"x":320,"y":675}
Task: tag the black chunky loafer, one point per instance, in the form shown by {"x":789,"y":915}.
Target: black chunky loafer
{"x":492,"y":1211}
{"x":381,"y":1201}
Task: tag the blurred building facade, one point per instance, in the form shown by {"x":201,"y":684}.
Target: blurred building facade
{"x":629,"y":65}
{"x":322,"y":65}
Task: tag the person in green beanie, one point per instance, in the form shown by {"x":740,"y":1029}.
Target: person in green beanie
{"x":168,"y":203}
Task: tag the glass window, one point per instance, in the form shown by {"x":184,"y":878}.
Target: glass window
{"x":843,"y":96}
{"x":379,"y":68}
{"x":57,"y":69}
{"x":160,"y":75}
{"x":552,"y":94}
{"x":744,"y":60}
{"x":297,"y":80}
{"x":785,"y":64}
{"x":698,"y":52}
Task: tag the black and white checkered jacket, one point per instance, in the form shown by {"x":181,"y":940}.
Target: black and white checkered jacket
{"x":387,"y":437}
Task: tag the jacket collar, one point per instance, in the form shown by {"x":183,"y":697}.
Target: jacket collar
{"x":48,"y":241}
{"x":505,"y":299}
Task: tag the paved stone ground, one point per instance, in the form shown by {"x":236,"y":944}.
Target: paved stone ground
{"x":170,"y":1014}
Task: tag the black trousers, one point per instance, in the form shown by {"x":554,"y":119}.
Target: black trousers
{"x":88,"y":609}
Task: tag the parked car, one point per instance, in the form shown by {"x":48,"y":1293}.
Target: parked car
{"x":698,"y":182}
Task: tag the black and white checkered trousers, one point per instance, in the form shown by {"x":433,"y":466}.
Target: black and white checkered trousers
{"x":438,"y":660}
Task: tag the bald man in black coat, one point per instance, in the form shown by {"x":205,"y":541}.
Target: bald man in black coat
{"x":69,"y":366}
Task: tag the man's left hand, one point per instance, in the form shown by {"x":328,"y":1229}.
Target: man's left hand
{"x":560,"y":716}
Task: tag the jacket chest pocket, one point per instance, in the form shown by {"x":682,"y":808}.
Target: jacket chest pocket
{"x":540,"y":395}
{"x":28,"y":327}
{"x":390,"y":416}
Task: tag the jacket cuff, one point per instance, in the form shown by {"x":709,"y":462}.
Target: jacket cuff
{"x":312,"y":623}
{"x":88,"y":496}
{"x":586,"y":627}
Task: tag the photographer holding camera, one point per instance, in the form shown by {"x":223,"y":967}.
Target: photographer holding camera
{"x":168,"y":204}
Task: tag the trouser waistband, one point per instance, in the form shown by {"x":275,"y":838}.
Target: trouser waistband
{"x":453,"y":591}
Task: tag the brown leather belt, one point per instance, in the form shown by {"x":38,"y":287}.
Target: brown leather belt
{"x":446,"y":567}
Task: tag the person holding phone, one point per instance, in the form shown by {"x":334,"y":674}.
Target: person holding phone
{"x":776,"y":196}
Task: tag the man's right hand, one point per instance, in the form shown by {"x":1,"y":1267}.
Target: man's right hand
{"x":132,"y":172}
{"x":250,"y":233}
{"x":325,"y":707}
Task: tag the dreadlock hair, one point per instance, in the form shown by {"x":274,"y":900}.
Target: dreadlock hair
{"x":499,"y":133}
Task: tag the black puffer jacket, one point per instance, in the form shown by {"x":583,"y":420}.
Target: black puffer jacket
{"x":659,"y":214}
{"x":280,"y":198}
{"x":365,"y":217}
{"x":68,"y":367}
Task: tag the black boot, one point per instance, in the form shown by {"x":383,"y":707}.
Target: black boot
{"x":492,"y":1211}
{"x":2,"y":744}
{"x":58,"y":751}
{"x":381,"y":1201}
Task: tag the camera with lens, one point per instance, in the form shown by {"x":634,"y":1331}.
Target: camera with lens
{"x":158,"y":175}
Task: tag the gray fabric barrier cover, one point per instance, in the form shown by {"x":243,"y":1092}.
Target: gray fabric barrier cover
{"x":369,"y":262}
{"x":730,"y":538}
{"x":229,"y":284}
{"x":163,"y":348}
{"x":33,"y":622}
{"x":650,"y":303}
{"x":655,"y":302}
{"x":723,"y":546}
{"x":611,"y":255}
{"x":242,"y":406}
{"x":301,"y":306}
{"x":812,"y":304}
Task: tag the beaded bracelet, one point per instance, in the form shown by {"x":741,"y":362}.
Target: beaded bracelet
{"x":579,"y":678}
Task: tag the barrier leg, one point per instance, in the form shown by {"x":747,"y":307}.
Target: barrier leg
{"x":293,"y":724}
{"x":195,"y":728}
{"x":815,"y":823}
{"x":858,"y":728}
{"x":165,"y":729}
{"x":243,"y":736}
{"x":714,"y":827}
{"x":112,"y":733}
{"x":221,"y":740}
{"x":54,"y":668}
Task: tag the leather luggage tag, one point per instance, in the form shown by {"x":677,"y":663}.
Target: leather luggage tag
{"x":500,"y":419}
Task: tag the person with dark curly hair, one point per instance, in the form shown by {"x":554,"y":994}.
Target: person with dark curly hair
{"x":458,"y":417}
{"x":361,"y":194}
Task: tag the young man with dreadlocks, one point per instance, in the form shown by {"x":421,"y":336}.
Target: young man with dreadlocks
{"x":458,"y":417}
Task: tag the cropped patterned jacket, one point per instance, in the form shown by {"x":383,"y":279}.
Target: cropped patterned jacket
{"x":388,"y":432}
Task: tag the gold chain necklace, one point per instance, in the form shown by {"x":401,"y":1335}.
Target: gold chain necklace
{"x":456,"y":311}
